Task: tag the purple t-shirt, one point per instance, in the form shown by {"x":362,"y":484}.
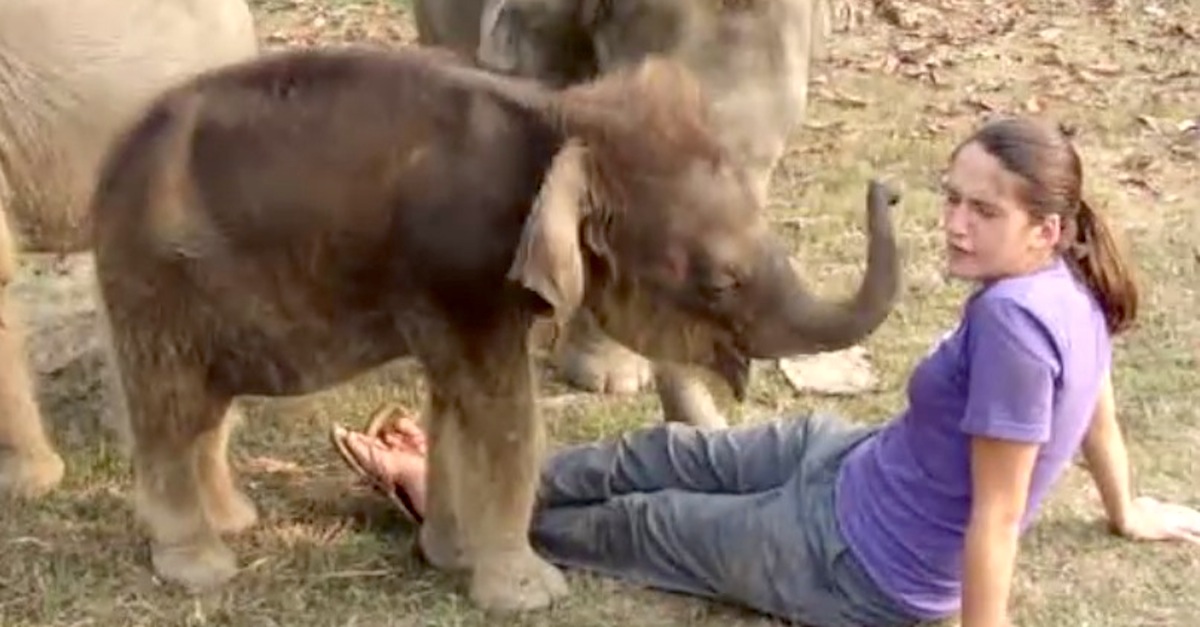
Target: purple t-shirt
{"x":1025,"y":363}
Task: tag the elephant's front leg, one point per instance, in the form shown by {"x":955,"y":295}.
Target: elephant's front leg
{"x":491,"y":438}
{"x":592,"y":361}
{"x":685,"y":398}
{"x":440,"y":540}
{"x":29,"y":465}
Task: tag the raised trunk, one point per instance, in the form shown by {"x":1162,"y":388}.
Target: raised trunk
{"x":791,"y":321}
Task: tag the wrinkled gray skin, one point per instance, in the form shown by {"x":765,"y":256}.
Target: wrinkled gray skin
{"x":752,"y":58}
{"x":72,"y":72}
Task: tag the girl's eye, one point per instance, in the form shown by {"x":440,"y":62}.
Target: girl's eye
{"x":950,"y":194}
{"x":985,"y":210}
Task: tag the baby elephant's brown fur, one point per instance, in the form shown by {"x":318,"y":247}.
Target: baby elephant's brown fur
{"x":279,"y":226}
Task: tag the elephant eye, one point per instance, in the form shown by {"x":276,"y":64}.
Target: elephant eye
{"x":724,"y":281}
{"x":715,"y":280}
{"x":721,"y":283}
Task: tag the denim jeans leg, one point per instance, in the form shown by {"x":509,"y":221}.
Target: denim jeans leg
{"x":774,"y":549}
{"x":739,"y":460}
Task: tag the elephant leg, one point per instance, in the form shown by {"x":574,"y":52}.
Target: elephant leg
{"x":592,"y":361}
{"x":227,"y":508}
{"x":178,"y":435}
{"x":440,"y":540}
{"x":425,"y":32}
{"x":685,"y":398}
{"x":483,"y":408}
{"x":29,"y":465}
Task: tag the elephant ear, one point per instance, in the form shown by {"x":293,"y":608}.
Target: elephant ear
{"x":549,"y":259}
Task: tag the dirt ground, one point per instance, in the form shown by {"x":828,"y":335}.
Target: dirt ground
{"x":904,"y":83}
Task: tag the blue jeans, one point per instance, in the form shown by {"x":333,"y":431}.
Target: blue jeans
{"x":743,"y":516}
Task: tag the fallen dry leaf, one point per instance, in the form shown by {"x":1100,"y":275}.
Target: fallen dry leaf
{"x":819,"y":125}
{"x":839,"y":373}
{"x":271,"y":466}
{"x":979,"y":104}
{"x":842,"y":98}
{"x":1050,"y":34}
{"x":1140,"y":182}
{"x":1105,"y":69}
{"x":1153,"y":10}
{"x":1150,"y":123}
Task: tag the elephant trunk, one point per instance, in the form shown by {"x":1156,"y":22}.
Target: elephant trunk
{"x":795,"y":322}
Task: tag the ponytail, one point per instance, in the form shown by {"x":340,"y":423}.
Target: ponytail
{"x":1098,"y":260}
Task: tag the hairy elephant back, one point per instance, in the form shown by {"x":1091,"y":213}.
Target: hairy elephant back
{"x":72,"y":75}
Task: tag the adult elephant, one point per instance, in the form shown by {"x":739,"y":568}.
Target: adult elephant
{"x":72,"y":73}
{"x":752,"y":58}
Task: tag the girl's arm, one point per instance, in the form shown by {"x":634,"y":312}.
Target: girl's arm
{"x":1010,"y":407}
{"x":1000,"y":471}
{"x":1108,"y":461}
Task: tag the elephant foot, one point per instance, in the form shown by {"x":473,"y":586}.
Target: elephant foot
{"x":30,"y":475}
{"x":686,"y":399}
{"x":513,"y":582}
{"x":233,"y":513}
{"x":442,"y":550}
{"x":197,"y":567}
{"x":606,"y":367}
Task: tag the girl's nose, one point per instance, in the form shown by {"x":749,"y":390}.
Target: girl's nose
{"x":954,"y":218}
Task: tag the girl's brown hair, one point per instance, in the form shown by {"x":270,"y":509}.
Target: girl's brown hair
{"x":1041,"y":153}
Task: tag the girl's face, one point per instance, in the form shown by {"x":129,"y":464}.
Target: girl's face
{"x":989,"y":232}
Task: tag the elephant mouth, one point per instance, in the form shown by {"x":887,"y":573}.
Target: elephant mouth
{"x":733,"y":367}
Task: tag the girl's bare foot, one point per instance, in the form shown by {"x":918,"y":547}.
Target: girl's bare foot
{"x":396,"y":457}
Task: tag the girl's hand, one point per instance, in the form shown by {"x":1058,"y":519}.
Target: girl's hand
{"x":1151,"y":519}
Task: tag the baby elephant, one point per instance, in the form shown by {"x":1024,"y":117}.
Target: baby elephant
{"x":281,"y":225}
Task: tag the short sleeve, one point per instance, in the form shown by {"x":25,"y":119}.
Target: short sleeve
{"x":1013,"y":367}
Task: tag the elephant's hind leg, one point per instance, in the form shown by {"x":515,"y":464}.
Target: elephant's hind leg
{"x":178,"y":461}
{"x":228,"y":509}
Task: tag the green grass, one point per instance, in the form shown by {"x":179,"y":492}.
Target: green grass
{"x":327,"y":554}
